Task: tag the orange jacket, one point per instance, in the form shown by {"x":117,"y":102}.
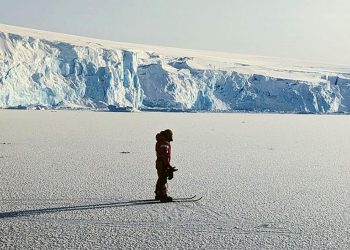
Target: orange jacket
{"x":163,"y":150}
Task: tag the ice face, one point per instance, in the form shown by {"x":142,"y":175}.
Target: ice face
{"x":51,"y":73}
{"x":39,"y":69}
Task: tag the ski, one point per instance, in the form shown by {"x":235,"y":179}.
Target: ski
{"x":190,"y":199}
{"x":186,"y":198}
{"x":152,"y":201}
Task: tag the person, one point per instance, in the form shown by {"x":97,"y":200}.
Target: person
{"x":164,"y":169}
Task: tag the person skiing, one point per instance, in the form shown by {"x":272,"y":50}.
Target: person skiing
{"x":164,"y":169}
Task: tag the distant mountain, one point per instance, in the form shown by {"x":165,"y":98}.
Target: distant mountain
{"x":45,"y":69}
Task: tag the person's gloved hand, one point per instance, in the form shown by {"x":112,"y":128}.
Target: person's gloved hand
{"x":171,"y":171}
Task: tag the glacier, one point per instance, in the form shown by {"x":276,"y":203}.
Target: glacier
{"x":52,"y":70}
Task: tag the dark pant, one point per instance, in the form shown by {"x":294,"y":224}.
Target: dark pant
{"x":161,"y":189}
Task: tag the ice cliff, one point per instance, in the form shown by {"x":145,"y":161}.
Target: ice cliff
{"x":39,"y":68}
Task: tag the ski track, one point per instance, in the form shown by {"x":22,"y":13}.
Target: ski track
{"x":61,"y":189}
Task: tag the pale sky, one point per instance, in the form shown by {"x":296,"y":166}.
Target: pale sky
{"x":316,"y":30}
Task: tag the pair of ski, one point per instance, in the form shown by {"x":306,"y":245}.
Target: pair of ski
{"x":187,"y":199}
{"x":183,"y":199}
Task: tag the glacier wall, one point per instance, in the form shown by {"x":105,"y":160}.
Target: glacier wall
{"x":36,"y":71}
{"x":53,"y":73}
{"x":178,"y":85}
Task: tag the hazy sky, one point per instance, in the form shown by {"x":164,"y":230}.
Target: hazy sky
{"x":316,"y":30}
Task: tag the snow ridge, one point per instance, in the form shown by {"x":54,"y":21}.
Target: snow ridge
{"x":37,"y":69}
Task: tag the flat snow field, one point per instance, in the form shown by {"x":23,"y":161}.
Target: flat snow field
{"x":72,"y":179}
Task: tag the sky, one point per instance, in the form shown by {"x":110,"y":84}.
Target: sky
{"x":313,"y":30}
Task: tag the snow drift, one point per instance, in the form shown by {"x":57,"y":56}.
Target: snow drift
{"x":44,"y":69}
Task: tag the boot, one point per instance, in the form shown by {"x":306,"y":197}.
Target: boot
{"x":166,"y":199}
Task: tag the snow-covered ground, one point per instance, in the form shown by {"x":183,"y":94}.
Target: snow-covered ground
{"x":268,"y":181}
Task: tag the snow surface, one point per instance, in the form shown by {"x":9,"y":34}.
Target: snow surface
{"x":269,"y":181}
{"x":40,"y":68}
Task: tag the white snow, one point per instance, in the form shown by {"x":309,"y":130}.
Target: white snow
{"x":269,"y":181}
{"x":40,"y":68}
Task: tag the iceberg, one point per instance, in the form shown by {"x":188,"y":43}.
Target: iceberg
{"x":45,"y":69}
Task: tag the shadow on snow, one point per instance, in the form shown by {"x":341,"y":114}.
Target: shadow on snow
{"x":75,"y":208}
